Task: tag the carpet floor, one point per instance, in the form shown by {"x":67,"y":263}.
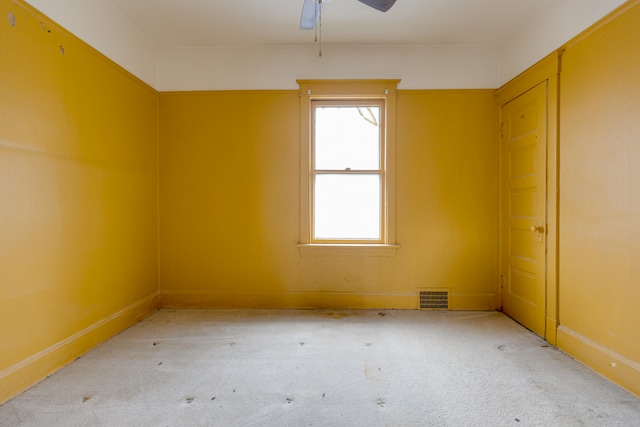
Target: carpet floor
{"x":324,"y":368}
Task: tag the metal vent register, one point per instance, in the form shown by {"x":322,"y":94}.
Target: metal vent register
{"x":434,"y":299}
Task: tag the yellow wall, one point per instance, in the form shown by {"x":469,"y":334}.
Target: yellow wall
{"x":599,"y":240}
{"x":229,"y":203}
{"x":79,"y":201}
{"x":78,"y":198}
{"x":593,"y":282}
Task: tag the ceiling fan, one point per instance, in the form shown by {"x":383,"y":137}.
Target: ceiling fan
{"x":311,"y":10}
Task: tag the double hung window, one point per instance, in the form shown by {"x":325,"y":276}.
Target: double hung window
{"x":347,"y":171}
{"x":347,"y":165}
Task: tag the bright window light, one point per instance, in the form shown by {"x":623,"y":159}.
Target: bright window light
{"x":347,"y":207}
{"x":347,"y":172}
{"x":347,"y":138}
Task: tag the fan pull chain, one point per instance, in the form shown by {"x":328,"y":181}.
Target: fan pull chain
{"x":316,"y":18}
{"x":320,"y":44}
{"x":319,"y":30}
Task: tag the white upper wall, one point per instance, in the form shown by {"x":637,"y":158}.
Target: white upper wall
{"x":418,"y":67}
{"x":555,"y":24}
{"x":102,"y":26}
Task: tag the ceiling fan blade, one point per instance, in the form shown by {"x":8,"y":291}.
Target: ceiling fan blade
{"x":310,"y":14}
{"x":381,"y":5}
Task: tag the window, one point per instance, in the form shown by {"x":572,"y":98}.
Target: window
{"x":347,"y":165}
{"x":347,"y":173}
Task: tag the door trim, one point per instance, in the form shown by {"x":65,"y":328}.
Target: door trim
{"x":546,"y":70}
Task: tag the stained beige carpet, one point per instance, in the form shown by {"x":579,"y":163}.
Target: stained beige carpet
{"x":324,"y":368}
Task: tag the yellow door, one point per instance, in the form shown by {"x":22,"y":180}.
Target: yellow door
{"x":523,"y":210}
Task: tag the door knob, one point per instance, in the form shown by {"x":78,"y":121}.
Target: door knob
{"x":539,"y":229}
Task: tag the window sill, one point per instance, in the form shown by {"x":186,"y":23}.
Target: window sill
{"x":347,"y":250}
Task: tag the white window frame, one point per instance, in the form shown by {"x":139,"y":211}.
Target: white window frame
{"x":351,"y":92}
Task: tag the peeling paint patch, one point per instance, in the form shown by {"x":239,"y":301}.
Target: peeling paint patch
{"x":11,"y":17}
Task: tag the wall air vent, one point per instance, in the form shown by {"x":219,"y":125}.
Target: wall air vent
{"x":433,"y":299}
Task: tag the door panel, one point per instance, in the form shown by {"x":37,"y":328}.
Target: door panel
{"x":523,"y":210}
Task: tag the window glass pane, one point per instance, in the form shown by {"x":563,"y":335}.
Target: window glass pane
{"x":347,"y":138}
{"x":347,"y":207}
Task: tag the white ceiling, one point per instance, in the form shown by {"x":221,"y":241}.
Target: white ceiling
{"x":190,"y":45}
{"x":208,"y":23}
